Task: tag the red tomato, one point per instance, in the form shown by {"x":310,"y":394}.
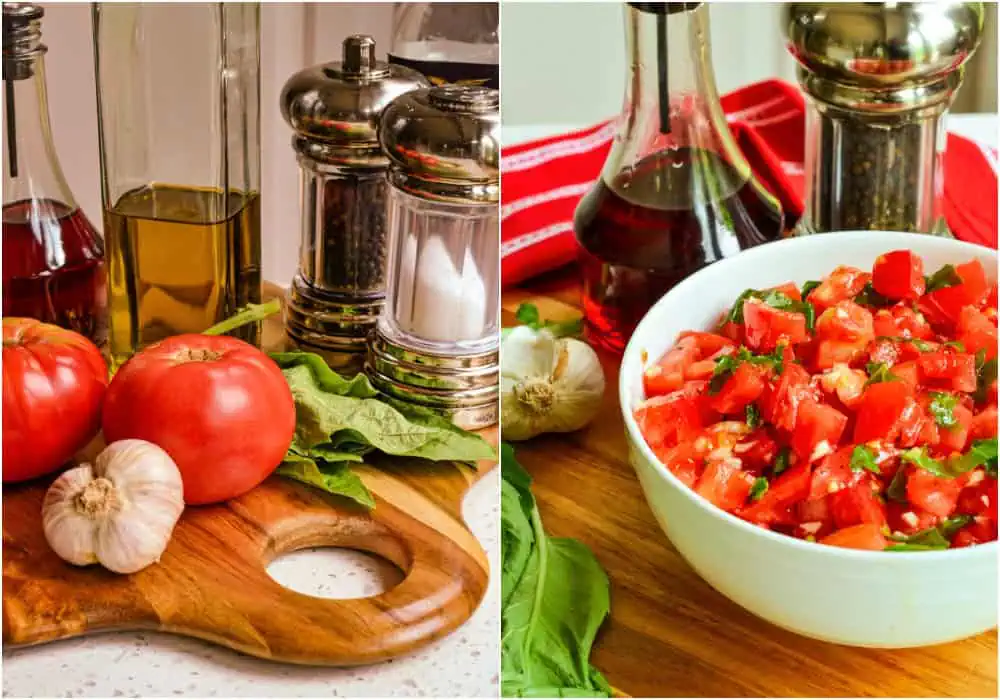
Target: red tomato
{"x":766,"y":326}
{"x":757,"y":451}
{"x":973,"y":278}
{"x":743,"y":387}
{"x":788,"y":489}
{"x":780,"y":403}
{"x":956,"y":369}
{"x":945,"y":305}
{"x":954,"y":438}
{"x":984,"y":425}
{"x":708,"y":344}
{"x":899,"y":275}
{"x":682,"y":460}
{"x":879,"y":411}
{"x":864,"y":536}
{"x":907,"y":373}
{"x":218,"y":406}
{"x":843,"y":283}
{"x":53,"y":387}
{"x":980,"y":530}
{"x":933,"y":494}
{"x":976,"y":332}
{"x":818,"y":429}
{"x":724,"y":484}
{"x":846,"y":321}
{"x":979,"y":496}
{"x":790,"y":290}
{"x":670,"y":419}
{"x":832,"y":474}
{"x":848,"y":384}
{"x":667,"y":375}
{"x":857,"y":504}
{"x":908,"y":518}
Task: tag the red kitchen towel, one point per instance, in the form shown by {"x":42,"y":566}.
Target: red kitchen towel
{"x":543,"y":180}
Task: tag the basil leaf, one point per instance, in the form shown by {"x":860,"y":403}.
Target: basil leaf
{"x":775,"y":299}
{"x":758,"y":489}
{"x":753,"y":416}
{"x":528,"y":315}
{"x":982,"y":453}
{"x":332,"y":477}
{"x":727,"y":364}
{"x":781,"y":462}
{"x":324,"y":377}
{"x":863,"y":458}
{"x":869,"y":297}
{"x":945,"y":277}
{"x":942,"y":407}
{"x":932,"y":538}
{"x":808,"y":287}
{"x":897,"y":487}
{"x":921,"y":345}
{"x":986,"y":374}
{"x":735,"y":314}
{"x":554,"y":598}
{"x":879,"y":372}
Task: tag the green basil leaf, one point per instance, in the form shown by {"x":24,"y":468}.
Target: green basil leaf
{"x":782,"y":461}
{"x":758,"y":489}
{"x":528,"y":315}
{"x":897,"y":487}
{"x":333,"y":477}
{"x":753,"y":416}
{"x":808,"y":287}
{"x":325,"y":378}
{"x":727,"y":364}
{"x":945,"y":277}
{"x":879,"y":372}
{"x":735,"y":314}
{"x":775,"y":299}
{"x":938,"y":537}
{"x":869,"y":297}
{"x":982,"y":453}
{"x":986,"y":374}
{"x":863,"y":458}
{"x":942,"y":407}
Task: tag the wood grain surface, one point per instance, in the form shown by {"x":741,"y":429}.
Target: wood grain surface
{"x":670,"y":633}
{"x":212,"y":581}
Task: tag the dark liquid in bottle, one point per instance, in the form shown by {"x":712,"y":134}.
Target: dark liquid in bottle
{"x":679,"y":210}
{"x":53,"y":267}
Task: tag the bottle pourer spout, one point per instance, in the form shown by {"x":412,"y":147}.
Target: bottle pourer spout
{"x":359,"y":54}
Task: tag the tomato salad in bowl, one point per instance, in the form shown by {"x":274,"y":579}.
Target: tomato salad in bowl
{"x":857,"y":410}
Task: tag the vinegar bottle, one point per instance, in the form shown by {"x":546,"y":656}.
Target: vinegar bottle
{"x":53,"y":258}
{"x":675,"y":193}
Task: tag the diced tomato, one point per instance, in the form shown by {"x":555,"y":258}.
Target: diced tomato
{"x":879,"y":411}
{"x":790,"y":290}
{"x":817,"y":430}
{"x":743,"y":387}
{"x":733,"y":331}
{"x":973,"y":277}
{"x":757,"y":451}
{"x":833,"y":352}
{"x":958,"y":369}
{"x":885,"y":352}
{"x":848,"y":384}
{"x":832,"y":474}
{"x":979,"y":531}
{"x":667,"y":375}
{"x":979,"y":496}
{"x":945,"y":305}
{"x":766,"y":326}
{"x":780,"y":403}
{"x":708,"y":343}
{"x":954,"y":438}
{"x":724,"y":484}
{"x":843,"y":283}
{"x":667,"y":420}
{"x":932,"y":493}
{"x":884,"y":324}
{"x":908,"y":519}
{"x":857,"y":504}
{"x":785,"y":491}
{"x":907,"y":373}
{"x":899,"y":275}
{"x":984,"y":424}
{"x":682,"y":460}
{"x":915,"y":425}
{"x":864,"y":536}
{"x":976,"y":332}
{"x":846,"y":321}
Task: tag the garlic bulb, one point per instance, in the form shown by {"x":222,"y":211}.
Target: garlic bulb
{"x":119,"y":512}
{"x":548,"y":384}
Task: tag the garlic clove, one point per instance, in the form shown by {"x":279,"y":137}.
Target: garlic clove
{"x":68,"y":531}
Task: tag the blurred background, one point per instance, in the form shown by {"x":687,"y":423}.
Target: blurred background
{"x":566,"y":65}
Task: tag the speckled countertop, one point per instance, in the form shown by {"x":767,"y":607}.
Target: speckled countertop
{"x":153,"y":664}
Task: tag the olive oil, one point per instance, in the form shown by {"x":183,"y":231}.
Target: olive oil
{"x":179,"y":260}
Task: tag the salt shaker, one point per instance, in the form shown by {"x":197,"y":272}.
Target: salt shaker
{"x":880,"y":78}
{"x":436,"y":343}
{"x":334,"y":110}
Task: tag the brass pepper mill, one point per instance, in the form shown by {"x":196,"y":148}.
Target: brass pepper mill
{"x":339,"y":288}
{"x":880,"y":78}
{"x":436,"y":343}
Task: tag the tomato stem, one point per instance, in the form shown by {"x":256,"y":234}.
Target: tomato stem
{"x":248,"y":314}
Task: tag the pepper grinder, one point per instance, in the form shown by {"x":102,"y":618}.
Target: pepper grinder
{"x":339,"y":288}
{"x":436,"y":343}
{"x":879,"y":78}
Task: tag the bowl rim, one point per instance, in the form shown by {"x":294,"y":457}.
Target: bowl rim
{"x":632,"y":362}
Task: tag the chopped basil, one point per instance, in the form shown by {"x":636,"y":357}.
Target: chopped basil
{"x":863,"y":458}
{"x":983,"y":453}
{"x":897,"y":487}
{"x":986,"y":374}
{"x":758,"y":489}
{"x":879,"y":372}
{"x":774,"y":299}
{"x":922,"y":345}
{"x":527,"y":314}
{"x":753,"y":416}
{"x":808,"y":287}
{"x":932,"y":538}
{"x":727,"y":364}
{"x":781,"y":462}
{"x":942,"y":407}
{"x":869,"y":297}
{"x":945,"y":277}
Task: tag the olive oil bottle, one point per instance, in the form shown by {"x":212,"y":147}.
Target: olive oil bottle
{"x":180,"y":259}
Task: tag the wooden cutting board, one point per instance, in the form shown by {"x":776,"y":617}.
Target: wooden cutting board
{"x":212,"y":581}
{"x":670,"y":633}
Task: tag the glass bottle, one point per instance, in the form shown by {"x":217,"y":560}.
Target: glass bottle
{"x":178,"y":88}
{"x":675,"y":193}
{"x":449,"y":42}
{"x":53,"y":257}
{"x":436,"y":342}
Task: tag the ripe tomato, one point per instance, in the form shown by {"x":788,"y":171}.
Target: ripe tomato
{"x":864,"y":536}
{"x":818,"y":429}
{"x":881,"y":407}
{"x":219,"y":407}
{"x":744,"y":386}
{"x":724,"y":484}
{"x":956,"y":369}
{"x":843,"y":283}
{"x":899,"y":275}
{"x":976,"y":332}
{"x":931,"y":493}
{"x":53,"y":387}
{"x":766,"y":326}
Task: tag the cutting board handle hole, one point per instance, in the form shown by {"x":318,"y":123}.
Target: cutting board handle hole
{"x":335,"y":572}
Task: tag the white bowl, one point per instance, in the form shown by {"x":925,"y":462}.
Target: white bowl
{"x":861,"y":598}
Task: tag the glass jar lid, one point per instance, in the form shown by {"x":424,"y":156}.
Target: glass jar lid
{"x":443,"y":143}
{"x":339,"y":104}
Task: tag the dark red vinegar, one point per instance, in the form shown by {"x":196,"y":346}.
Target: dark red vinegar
{"x":53,"y":267}
{"x":682,"y":209}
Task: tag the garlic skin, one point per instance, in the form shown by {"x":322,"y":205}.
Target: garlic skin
{"x":120,"y":512}
{"x":547,"y":384}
